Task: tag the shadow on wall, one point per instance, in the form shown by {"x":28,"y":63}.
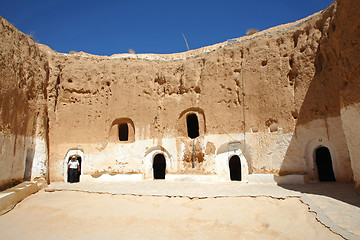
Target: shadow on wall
{"x":318,"y":122}
{"x":28,"y":164}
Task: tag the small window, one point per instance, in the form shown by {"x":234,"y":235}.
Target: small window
{"x":123,"y":132}
{"x":192,"y":126}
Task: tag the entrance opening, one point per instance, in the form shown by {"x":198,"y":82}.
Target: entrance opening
{"x":192,"y":123}
{"x":324,"y":165}
{"x":159,"y":166}
{"x":28,"y":164}
{"x":123,"y":132}
{"x":235,"y":168}
{"x":76,"y":176}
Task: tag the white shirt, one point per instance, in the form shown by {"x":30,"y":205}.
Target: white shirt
{"x":73,"y":164}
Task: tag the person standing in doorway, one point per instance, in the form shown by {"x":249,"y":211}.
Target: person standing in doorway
{"x":73,"y":170}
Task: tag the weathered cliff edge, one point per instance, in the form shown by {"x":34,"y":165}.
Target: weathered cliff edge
{"x":271,"y":98}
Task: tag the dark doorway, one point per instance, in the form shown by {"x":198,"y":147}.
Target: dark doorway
{"x":235,"y":168}
{"x":79,"y":173}
{"x":192,"y":125}
{"x":324,"y":165}
{"x":123,"y":132}
{"x":159,"y":166}
{"x":28,"y":164}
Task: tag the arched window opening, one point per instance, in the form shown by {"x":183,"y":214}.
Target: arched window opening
{"x":235,"y":168}
{"x":324,"y":164}
{"x":159,"y":166}
{"x":192,"y":123}
{"x":123,"y":132}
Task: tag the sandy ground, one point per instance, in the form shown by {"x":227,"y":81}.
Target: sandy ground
{"x":79,"y":215}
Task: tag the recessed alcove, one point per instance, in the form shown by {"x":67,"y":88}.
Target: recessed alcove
{"x":122,"y":130}
{"x":192,"y":123}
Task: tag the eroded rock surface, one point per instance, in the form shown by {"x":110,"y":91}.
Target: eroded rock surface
{"x":23,"y":107}
{"x":271,"y":98}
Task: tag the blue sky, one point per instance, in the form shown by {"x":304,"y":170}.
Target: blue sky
{"x":108,"y":27}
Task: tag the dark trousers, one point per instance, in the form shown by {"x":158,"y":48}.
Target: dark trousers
{"x":73,"y":175}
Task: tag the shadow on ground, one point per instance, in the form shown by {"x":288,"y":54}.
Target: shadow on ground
{"x":344,"y":192}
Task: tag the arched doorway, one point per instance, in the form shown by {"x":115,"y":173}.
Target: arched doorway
{"x":235,"y":168}
{"x":159,"y":166}
{"x":324,"y":164}
{"x":79,"y":159}
{"x":78,"y":152}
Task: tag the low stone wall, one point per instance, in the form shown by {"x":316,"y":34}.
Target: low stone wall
{"x":12,"y":196}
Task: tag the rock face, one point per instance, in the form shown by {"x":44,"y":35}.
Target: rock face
{"x":23,"y":108}
{"x":344,"y":45}
{"x":268,"y":100}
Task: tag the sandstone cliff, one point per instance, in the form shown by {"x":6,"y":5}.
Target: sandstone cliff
{"x":262,"y":91}
{"x":272,"y":98}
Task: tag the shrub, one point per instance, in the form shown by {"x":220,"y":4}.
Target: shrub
{"x":251,"y":31}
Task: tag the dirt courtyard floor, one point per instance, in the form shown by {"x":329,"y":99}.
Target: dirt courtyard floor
{"x":80,"y":215}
